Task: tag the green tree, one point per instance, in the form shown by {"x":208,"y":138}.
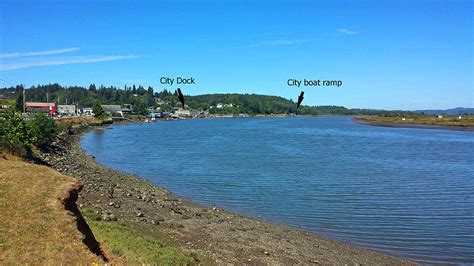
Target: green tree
{"x":150,"y":91}
{"x":98,"y":110}
{"x":92,"y":87}
{"x":43,"y":129}
{"x":19,"y":99}
{"x":140,"y":108}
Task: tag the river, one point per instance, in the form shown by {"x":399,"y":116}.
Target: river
{"x":403,"y":192}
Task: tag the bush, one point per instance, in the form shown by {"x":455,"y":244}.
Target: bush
{"x":43,"y":129}
{"x":18,"y":135}
{"x":14,"y":132}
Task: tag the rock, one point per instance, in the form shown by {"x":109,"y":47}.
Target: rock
{"x":109,"y":217}
{"x":111,"y":203}
{"x":140,"y":214}
{"x":266,"y":253}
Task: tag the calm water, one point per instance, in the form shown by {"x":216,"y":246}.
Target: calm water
{"x":405,"y":192}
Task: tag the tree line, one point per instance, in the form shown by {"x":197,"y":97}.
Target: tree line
{"x":143,"y":98}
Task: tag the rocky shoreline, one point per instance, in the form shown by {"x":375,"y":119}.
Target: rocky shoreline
{"x":221,"y":236}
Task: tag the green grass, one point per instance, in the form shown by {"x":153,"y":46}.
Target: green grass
{"x":134,"y":247}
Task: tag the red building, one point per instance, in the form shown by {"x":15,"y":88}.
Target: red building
{"x":42,"y":107}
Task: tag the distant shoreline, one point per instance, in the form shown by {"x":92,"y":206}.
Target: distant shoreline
{"x":410,"y":125}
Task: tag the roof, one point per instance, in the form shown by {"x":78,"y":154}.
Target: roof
{"x":112,"y":108}
{"x":35,"y":104}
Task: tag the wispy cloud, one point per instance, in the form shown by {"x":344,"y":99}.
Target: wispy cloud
{"x":38,"y":53}
{"x":64,"y":61}
{"x":277,"y":43}
{"x":347,"y":31}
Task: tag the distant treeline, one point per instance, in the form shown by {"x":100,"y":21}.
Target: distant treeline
{"x":142,"y":98}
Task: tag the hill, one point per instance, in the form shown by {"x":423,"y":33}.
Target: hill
{"x":453,"y":111}
{"x":142,"y":99}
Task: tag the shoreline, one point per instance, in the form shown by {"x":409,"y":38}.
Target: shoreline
{"x":410,"y":125}
{"x":222,"y":236}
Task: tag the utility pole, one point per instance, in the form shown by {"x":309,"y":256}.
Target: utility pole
{"x":47,"y":101}
{"x":24,"y":103}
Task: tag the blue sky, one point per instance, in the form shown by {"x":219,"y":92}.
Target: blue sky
{"x":389,"y":54}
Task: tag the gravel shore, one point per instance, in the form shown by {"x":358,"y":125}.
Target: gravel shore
{"x":222,"y":236}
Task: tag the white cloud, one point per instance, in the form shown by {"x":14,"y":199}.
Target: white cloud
{"x":347,"y":31}
{"x":277,"y":43}
{"x":38,"y":53}
{"x":64,"y":61}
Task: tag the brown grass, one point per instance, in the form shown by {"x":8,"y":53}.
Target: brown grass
{"x":35,"y":228}
{"x":446,"y":120}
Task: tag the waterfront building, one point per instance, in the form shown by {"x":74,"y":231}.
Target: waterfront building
{"x":69,"y":109}
{"x":50,"y":108}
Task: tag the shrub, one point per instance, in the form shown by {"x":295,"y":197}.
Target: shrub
{"x":14,"y":132}
{"x":43,"y":129}
{"x":18,"y":135}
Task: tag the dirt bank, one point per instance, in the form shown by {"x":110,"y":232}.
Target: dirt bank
{"x":223,"y":236}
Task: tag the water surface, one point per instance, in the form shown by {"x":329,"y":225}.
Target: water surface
{"x":404,"y":192}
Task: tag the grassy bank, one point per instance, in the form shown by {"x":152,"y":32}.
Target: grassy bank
{"x":35,"y":227}
{"x":130,"y":246}
{"x":446,"y":120}
{"x":41,"y":224}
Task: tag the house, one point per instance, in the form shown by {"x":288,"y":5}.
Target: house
{"x":128,"y":106}
{"x":112,"y":109}
{"x":182,"y":112}
{"x":126,"y":111}
{"x":220,"y":106}
{"x":67,"y":109}
{"x":440,"y":116}
{"x":41,"y":107}
{"x":160,"y":102}
{"x":86,"y":111}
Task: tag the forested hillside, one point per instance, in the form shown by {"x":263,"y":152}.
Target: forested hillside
{"x":143,"y":98}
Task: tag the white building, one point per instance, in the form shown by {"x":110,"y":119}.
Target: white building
{"x":182,"y":112}
{"x":69,"y":109}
